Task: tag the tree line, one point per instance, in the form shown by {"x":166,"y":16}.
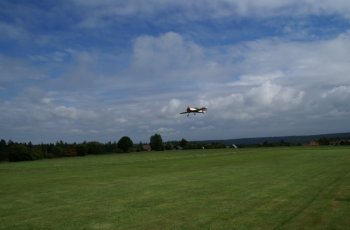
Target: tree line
{"x":333,"y":141}
{"x":16,"y":151}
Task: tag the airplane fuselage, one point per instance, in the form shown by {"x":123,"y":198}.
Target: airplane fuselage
{"x":194,"y":110}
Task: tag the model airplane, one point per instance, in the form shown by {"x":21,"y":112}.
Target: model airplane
{"x":194,"y":110}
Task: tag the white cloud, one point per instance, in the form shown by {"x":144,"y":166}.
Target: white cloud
{"x":103,"y":12}
{"x":287,"y":82}
{"x":338,"y":97}
{"x":173,"y":106}
{"x":94,"y":90}
{"x":302,"y":64}
{"x":202,"y":128}
{"x":254,"y":80}
{"x":172,"y":59}
{"x":17,"y":69}
{"x":271,"y":96}
{"x":163,"y":54}
{"x":11,"y":31}
{"x":163,"y":130}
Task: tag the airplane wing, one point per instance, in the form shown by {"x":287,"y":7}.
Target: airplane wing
{"x":184,"y":112}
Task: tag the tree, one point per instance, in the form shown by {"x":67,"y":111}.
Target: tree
{"x":3,"y":150}
{"x":169,"y":146}
{"x":94,"y":147}
{"x":57,"y":151}
{"x":156,"y":142}
{"x":125,"y":144}
{"x":82,"y":149}
{"x":19,"y":152}
{"x":139,"y":147}
{"x":323,"y":141}
{"x":111,"y":147}
{"x":183,"y":143}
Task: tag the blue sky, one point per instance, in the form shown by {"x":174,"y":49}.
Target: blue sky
{"x":76,"y":70}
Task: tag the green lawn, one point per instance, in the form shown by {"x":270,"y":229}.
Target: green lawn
{"x":255,"y":188}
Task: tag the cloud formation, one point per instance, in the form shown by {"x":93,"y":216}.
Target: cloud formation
{"x":100,"y":75}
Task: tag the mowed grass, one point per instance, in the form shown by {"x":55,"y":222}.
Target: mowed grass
{"x":255,"y":188}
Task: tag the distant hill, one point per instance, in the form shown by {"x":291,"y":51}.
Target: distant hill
{"x":295,"y":140}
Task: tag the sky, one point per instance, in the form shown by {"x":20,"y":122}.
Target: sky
{"x":86,"y":70}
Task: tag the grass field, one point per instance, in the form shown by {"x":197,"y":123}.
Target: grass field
{"x":255,"y":188}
